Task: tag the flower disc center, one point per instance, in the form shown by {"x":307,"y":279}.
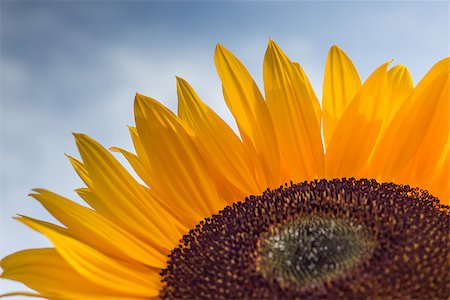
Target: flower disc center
{"x":327,"y":239}
{"x":310,"y":249}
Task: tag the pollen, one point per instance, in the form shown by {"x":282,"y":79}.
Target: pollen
{"x":308,"y":249}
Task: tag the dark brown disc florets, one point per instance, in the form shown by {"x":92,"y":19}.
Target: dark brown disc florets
{"x":338,"y":239}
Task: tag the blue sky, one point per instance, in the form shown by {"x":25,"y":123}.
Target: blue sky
{"x":74,"y":66}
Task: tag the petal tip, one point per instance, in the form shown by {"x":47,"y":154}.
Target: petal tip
{"x":78,"y":135}
{"x":139,"y":101}
{"x":273,"y":46}
{"x":219,"y":49}
{"x":221,"y":53}
{"x":335,"y":48}
{"x":81,"y":138}
{"x":180,"y":81}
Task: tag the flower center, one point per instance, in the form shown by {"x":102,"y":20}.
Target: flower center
{"x":310,"y":249}
{"x":337,"y":239}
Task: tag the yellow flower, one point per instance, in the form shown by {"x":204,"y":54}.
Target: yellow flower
{"x":194,"y":166}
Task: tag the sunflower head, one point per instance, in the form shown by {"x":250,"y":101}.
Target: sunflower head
{"x":277,"y":210}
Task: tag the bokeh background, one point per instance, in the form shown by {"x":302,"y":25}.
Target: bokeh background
{"x":74,"y":66}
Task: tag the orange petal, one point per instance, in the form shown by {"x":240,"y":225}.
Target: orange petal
{"x":292,"y":109}
{"x":46,"y":272}
{"x":357,"y":130}
{"x":96,"y":230}
{"x":419,"y":129}
{"x":220,"y":144}
{"x":183,"y":180}
{"x":247,"y":105}
{"x":340,"y":84}
{"x":123,"y":197}
{"x":107,"y":272}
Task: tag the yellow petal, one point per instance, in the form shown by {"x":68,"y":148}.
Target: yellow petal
{"x":94,"y":201}
{"x":340,"y":84}
{"x":95,"y":230}
{"x":219,"y":143}
{"x":434,"y":139}
{"x":137,"y":165}
{"x":248,"y":107}
{"x":294,"y":117}
{"x":124,"y":277}
{"x":123,"y":197}
{"x":400,"y":85}
{"x":91,"y":198}
{"x":26,"y":294}
{"x":312,"y":94}
{"x":357,"y":130}
{"x":141,"y":153}
{"x":81,"y":170}
{"x":438,"y":184}
{"x":419,"y":129}
{"x":428,"y":165}
{"x":183,"y":179}
{"x":46,"y":272}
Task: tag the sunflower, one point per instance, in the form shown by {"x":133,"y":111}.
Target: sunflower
{"x":192,"y":229}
